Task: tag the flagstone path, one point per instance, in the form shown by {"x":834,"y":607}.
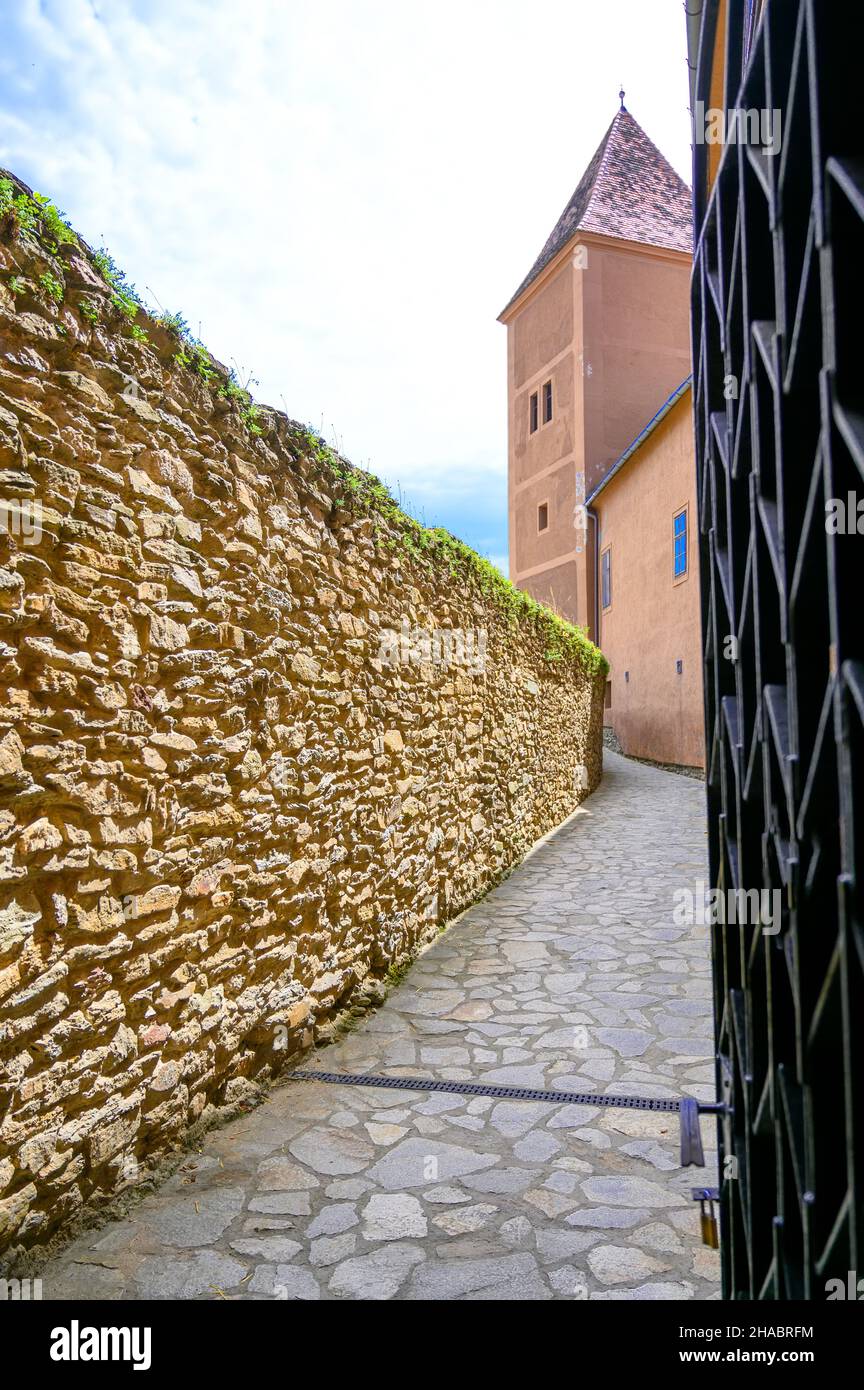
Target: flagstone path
{"x":570,"y":976}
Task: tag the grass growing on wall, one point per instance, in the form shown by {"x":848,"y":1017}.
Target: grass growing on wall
{"x":35,"y":218}
{"x":435,"y":548}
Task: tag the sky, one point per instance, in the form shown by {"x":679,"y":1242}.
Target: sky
{"x":340,"y":196}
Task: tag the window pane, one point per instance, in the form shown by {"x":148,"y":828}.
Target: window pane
{"x":533,"y":412}
{"x":606,"y":578}
{"x":547,"y":402}
{"x":680,"y":544}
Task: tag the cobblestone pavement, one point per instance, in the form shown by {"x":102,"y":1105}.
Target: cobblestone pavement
{"x":570,"y":976}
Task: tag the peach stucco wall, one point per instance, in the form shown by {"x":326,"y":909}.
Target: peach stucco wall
{"x":608,"y":324}
{"x":636,"y":319}
{"x":654,"y":620}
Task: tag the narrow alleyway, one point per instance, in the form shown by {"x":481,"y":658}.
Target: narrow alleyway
{"x":570,"y":976}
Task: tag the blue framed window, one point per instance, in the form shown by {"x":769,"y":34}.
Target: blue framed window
{"x":679,"y":532}
{"x":606,"y":577}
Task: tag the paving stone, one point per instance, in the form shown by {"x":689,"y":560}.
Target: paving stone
{"x":444,"y":1056}
{"x":608,"y":1218}
{"x":569,"y":1282}
{"x":332,"y":1150}
{"x":347,"y":1189}
{"x":438,"y":1104}
{"x":267,"y":1247}
{"x":597,"y":1069}
{"x":630,"y":1192}
{"x":562,"y":1182}
{"x":426,"y":1125}
{"x":562,"y":1039}
{"x":550,"y":1203}
{"x":594,"y":1137}
{"x":531,"y":1077}
{"x":292,"y":1203}
{"x":561,"y":1245}
{"x":415,"y":1162}
{"x":658,"y":1236}
{"x":281,"y":1175}
{"x":519,"y":952}
{"x":343,"y":1119}
{"x":627,"y":1042}
{"x":536,"y":1148}
{"x":101,"y":1283}
{"x":481,"y":1245}
{"x":284,"y":1282}
{"x":475,"y":1010}
{"x":442,"y":1279}
{"x":640,"y":1124}
{"x":443,"y":1002}
{"x":176,"y":1275}
{"x":652,"y":1153}
{"x":501,"y":1180}
{"x":620,"y":1264}
{"x":198,"y":1218}
{"x":393,"y":1217}
{"x":654,"y":1292}
{"x":567,"y":982}
{"x":517,"y":1231}
{"x":463,"y":1220}
{"x":445,"y":1195}
{"x":385,"y":1134}
{"x":330,"y":1221}
{"x":573,"y":1117}
{"x":329,"y":1250}
{"x":513,"y":1118}
{"x":705,"y":1262}
{"x":256,"y":1225}
{"x":377,"y":1276}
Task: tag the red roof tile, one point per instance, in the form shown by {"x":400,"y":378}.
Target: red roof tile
{"x":629,"y":190}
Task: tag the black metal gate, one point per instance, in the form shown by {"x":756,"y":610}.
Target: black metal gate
{"x":778,"y":308}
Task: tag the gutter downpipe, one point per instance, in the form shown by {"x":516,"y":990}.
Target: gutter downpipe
{"x":693,"y":12}
{"x":593,"y":517}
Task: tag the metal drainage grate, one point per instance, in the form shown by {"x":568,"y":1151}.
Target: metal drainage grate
{"x":477,"y":1088}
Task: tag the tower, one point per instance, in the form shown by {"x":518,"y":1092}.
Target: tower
{"x":597,"y":338}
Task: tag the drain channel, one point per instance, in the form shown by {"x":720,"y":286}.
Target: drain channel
{"x":478,"y":1088}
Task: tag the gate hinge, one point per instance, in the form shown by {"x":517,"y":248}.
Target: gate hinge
{"x":692,"y":1153}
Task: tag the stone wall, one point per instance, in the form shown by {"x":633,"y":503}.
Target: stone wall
{"x":261,"y":735}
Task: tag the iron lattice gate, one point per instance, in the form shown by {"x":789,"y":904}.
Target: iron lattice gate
{"x":778,"y":294}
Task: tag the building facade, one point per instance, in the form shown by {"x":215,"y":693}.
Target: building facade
{"x":650,"y":627}
{"x":598,"y":339}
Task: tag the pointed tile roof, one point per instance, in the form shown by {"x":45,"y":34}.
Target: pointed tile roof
{"x":629,"y":190}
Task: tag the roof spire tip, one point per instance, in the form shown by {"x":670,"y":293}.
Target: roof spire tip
{"x":621,"y":95}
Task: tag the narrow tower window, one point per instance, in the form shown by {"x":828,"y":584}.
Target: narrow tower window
{"x":543,"y":517}
{"x":547,"y":402}
{"x":533,"y":412}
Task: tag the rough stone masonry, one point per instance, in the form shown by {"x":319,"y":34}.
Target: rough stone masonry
{"x":261,"y":735}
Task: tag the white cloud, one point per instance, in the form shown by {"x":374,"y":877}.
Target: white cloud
{"x":343,"y":194}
